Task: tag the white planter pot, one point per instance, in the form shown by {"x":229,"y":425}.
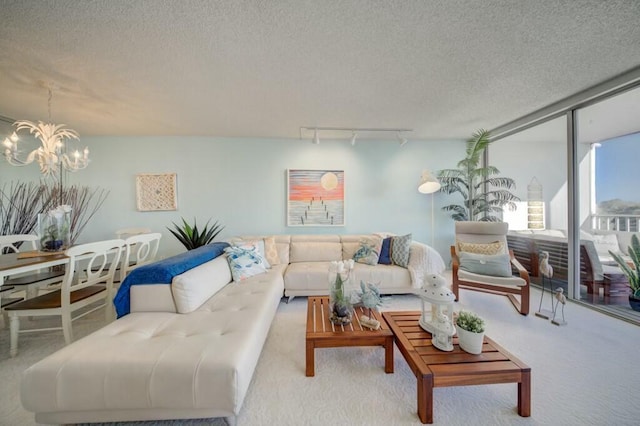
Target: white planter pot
{"x":470,"y":342}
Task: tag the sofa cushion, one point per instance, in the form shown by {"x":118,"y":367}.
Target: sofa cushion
{"x":308,"y":276}
{"x":194,"y":287}
{"x":244,"y":263}
{"x":315,"y":248}
{"x":392,"y":276}
{"x":400,"y":250}
{"x":385,"y":252}
{"x":496,"y":265}
{"x":369,"y":250}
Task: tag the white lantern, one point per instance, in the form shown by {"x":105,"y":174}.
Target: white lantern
{"x":439,"y":319}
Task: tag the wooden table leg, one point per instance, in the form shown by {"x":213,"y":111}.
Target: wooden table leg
{"x":310,"y":359}
{"x":425,"y":398}
{"x":388,"y":355}
{"x":524,"y":395}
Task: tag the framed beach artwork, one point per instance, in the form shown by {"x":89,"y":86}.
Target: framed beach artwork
{"x":156,"y":192}
{"x":315,"y":197}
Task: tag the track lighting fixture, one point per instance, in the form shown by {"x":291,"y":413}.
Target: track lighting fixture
{"x":355,"y":132}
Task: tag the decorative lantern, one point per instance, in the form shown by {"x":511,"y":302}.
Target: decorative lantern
{"x":439,"y":319}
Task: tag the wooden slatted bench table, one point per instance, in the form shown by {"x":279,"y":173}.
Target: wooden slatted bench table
{"x":435,"y":368}
{"x":322,"y":333}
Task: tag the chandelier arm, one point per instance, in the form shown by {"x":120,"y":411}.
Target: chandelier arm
{"x":49,"y":156}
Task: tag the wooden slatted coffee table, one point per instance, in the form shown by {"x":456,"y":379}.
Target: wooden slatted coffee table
{"x":321,"y":333}
{"x":435,"y":368}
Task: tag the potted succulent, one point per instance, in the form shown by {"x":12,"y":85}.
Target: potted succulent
{"x":470,"y":330}
{"x":192,"y":237}
{"x":632,"y":272}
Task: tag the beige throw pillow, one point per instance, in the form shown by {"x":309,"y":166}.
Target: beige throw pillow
{"x":270,"y":251}
{"x":495,"y":247}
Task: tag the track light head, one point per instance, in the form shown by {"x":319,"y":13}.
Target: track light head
{"x":401,"y":140}
{"x":353,"y":138}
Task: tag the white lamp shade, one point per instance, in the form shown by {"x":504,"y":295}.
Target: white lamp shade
{"x":428,"y":183}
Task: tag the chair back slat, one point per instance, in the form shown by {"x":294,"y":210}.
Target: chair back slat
{"x":102,"y":258}
{"x":129,"y":232}
{"x":13,"y":243}
{"x":139,"y":250}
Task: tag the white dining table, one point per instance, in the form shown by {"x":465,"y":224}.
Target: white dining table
{"x":16,"y":263}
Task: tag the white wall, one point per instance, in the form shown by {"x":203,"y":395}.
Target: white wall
{"x":242,"y":183}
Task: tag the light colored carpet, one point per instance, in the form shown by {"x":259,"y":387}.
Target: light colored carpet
{"x":583,"y":374}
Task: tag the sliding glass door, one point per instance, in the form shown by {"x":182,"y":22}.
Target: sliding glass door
{"x":608,"y":141}
{"x":537,"y":159}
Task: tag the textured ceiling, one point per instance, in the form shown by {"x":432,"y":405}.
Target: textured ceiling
{"x":263,"y":68}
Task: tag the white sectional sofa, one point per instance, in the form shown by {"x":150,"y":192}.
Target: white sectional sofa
{"x":307,"y":259}
{"x":189,"y":349}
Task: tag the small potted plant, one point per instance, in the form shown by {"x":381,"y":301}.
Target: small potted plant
{"x":632,"y":272}
{"x":191,"y":237}
{"x":470,"y":329}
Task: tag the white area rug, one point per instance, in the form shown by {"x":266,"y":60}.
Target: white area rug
{"x":583,"y":374}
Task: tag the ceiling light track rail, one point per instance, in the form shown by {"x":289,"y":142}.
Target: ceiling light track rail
{"x":354,"y":132}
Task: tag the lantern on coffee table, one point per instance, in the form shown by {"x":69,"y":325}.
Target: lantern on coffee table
{"x":437,"y":318}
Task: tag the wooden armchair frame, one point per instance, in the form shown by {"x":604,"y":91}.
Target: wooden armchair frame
{"x":521,"y":305}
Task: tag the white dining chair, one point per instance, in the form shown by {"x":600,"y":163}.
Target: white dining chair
{"x":139,"y":250}
{"x":125,"y":233}
{"x":78,"y":290}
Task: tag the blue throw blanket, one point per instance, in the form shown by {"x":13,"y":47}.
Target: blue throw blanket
{"x":163,"y":271}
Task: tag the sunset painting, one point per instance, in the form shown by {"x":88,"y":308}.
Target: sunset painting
{"x":315,"y":197}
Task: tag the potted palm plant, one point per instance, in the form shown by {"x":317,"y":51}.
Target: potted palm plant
{"x":632,"y":272}
{"x":470,"y":330}
{"x":484,"y":193}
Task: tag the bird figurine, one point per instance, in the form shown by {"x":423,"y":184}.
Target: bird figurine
{"x":560,"y":299}
{"x":371,"y":299}
{"x":546,"y":271}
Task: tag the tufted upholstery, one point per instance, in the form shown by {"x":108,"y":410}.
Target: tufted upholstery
{"x":160,"y":365}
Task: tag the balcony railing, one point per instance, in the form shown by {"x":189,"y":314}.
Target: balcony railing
{"x":605,"y":222}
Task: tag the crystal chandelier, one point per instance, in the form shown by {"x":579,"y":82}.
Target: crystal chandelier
{"x":51,"y":156}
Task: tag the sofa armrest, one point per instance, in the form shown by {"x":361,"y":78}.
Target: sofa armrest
{"x":423,"y":260}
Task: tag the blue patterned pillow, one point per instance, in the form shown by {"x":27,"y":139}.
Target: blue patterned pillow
{"x":400,"y":249}
{"x":369,"y":251}
{"x":244,"y":262}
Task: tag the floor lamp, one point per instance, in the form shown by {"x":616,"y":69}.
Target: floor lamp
{"x":429,"y":184}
